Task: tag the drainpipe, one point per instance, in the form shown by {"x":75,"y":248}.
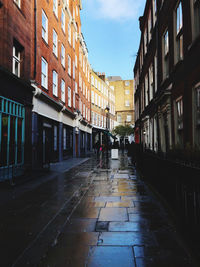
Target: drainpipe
{"x":35,"y":39}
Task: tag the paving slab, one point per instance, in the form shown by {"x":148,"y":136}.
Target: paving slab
{"x":107,"y":199}
{"x":113,"y":214}
{"x":121,"y":176}
{"x":127,"y":227}
{"x":126,"y":239}
{"x":126,"y":204}
{"x":111,"y":256}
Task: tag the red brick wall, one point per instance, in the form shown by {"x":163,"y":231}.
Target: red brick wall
{"x":15,"y":23}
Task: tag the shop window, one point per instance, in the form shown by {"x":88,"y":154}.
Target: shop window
{"x":12,"y":116}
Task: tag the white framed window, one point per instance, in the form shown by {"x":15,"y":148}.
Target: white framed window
{"x":76,"y":88}
{"x":18,"y":3}
{"x":96,"y":101}
{"x":63,"y":90}
{"x":127,"y":92}
{"x":16,"y":61}
{"x":44,"y":73}
{"x":55,"y":43}
{"x":63,"y":20}
{"x":55,"y":83}
{"x":83,"y":88}
{"x":96,"y":83}
{"x":84,"y":110}
{"x":151,"y":82}
{"x":128,"y":118}
{"x":63,"y":55}
{"x":76,"y":61}
{"x":69,"y":65}
{"x":74,"y":100}
{"x":69,"y":97}
{"x":92,"y":96}
{"x":92,"y":80}
{"x":44,"y":26}
{"x":55,"y":7}
{"x":127,"y":103}
{"x":88,"y":96}
{"x":69,"y":33}
{"x":146,"y":90}
{"x":74,"y":73}
{"x":99,"y":101}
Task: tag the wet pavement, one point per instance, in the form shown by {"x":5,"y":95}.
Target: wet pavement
{"x":97,"y":214}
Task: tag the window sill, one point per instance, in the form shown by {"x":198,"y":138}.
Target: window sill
{"x":45,"y":42}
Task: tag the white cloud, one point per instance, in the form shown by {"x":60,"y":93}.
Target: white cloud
{"x":116,"y":9}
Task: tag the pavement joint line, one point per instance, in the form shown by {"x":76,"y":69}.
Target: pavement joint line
{"x":46,"y":226}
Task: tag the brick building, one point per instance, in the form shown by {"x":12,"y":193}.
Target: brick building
{"x":102,"y":107}
{"x":167,"y":97}
{"x":124,"y":100}
{"x":15,"y":89}
{"x":60,"y":76}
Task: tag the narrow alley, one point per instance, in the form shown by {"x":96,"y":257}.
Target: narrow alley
{"x":99,"y":213}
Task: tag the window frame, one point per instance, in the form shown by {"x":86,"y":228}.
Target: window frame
{"x":55,"y":45}
{"x":62,"y":91}
{"x":45,"y":30}
{"x":55,"y":83}
{"x":43,"y":60}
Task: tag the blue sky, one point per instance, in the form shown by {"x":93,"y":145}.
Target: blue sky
{"x":111,"y":31}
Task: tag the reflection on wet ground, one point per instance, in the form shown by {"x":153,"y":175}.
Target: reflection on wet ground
{"x":98,"y":214}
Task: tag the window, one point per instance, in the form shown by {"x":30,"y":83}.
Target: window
{"x":16,"y":61}
{"x":76,"y":61}
{"x":155,"y":72}
{"x":96,"y":83}
{"x":76,"y":88}
{"x":74,"y":70}
{"x":69,"y":65}
{"x":119,"y":118}
{"x":63,"y":20}
{"x":127,"y":83}
{"x":149,"y":27}
{"x":69,"y":97}
{"x":55,"y":43}
{"x":63,"y":90}
{"x":92,"y":80}
{"x":146,"y":91}
{"x":197,"y":98}
{"x":127,"y":92}
{"x":127,"y":103}
{"x":64,"y":138}
{"x":63,"y":55}
{"x":18,"y":3}
{"x":166,"y":54}
{"x":154,"y":11}
{"x":151,"y":83}
{"x":196,"y":4}
{"x":74,"y":100}
{"x":69,"y":33}
{"x":179,"y":33}
{"x":92,"y":97}
{"x":44,"y":26}
{"x":179,"y":107}
{"x":55,"y":138}
{"x":145,"y":41}
{"x":128,"y":118}
{"x":55,"y":83}
{"x":96,"y":102}
{"x":55,"y":7}
{"x":44,"y":73}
